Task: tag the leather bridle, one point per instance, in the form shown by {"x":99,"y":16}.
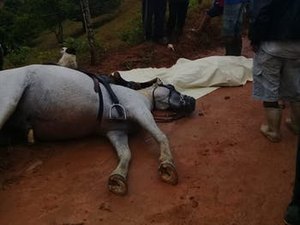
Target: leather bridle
{"x":166,"y":116}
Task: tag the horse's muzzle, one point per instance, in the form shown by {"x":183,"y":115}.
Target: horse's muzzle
{"x":190,"y":104}
{"x":187,"y":105}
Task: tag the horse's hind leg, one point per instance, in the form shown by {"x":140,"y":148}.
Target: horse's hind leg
{"x":167,"y":168}
{"x":117,"y":182}
{"x":12,"y":87}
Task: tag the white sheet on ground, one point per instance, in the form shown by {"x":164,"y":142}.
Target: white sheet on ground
{"x":198,"y":77}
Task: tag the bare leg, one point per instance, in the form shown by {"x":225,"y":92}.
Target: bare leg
{"x":117,"y":182}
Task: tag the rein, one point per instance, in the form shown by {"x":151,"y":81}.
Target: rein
{"x":166,"y":117}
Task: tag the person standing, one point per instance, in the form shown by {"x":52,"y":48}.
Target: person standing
{"x":275,"y":36}
{"x":176,"y":20}
{"x":153,"y":18}
{"x":233,"y":13}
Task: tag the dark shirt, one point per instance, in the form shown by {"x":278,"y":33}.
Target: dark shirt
{"x":274,"y":20}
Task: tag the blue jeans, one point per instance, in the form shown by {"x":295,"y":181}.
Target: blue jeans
{"x":232,"y":19}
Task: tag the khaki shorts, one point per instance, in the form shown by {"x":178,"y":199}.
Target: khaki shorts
{"x":275,"y":78}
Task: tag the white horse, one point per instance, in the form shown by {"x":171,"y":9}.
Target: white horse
{"x":48,"y":102}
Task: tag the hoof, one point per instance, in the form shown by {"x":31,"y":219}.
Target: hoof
{"x":117,"y":184}
{"x":168,"y":173}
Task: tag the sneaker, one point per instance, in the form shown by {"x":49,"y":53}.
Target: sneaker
{"x":292,"y":215}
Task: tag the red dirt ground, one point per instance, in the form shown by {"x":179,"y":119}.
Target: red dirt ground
{"x":229,"y":174}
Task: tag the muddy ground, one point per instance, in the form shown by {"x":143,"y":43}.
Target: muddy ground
{"x":229,"y":174}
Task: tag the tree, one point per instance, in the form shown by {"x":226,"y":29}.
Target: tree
{"x":89,"y":30}
{"x":51,"y":14}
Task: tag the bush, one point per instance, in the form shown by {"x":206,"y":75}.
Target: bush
{"x":79,"y":44}
{"x":18,"y":57}
{"x":134,"y":34}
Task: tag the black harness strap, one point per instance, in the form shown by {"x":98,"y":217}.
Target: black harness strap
{"x":106,"y":81}
{"x":97,"y":89}
{"x":100,"y":110}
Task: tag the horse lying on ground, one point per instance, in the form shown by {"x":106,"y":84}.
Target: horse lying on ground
{"x":54,"y":103}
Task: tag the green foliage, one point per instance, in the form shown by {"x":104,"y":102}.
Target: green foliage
{"x":21,"y":21}
{"x":18,"y":57}
{"x":103,"y":19}
{"x":134,"y":34}
{"x":79,"y":44}
{"x":96,"y":8}
{"x":204,"y":3}
{"x":18,"y":27}
{"x":43,"y":56}
{"x":107,"y":6}
{"x":193,"y":3}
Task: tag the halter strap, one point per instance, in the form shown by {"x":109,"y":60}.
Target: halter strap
{"x":153,"y":98}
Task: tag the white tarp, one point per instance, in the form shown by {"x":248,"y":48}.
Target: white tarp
{"x":198,"y":77}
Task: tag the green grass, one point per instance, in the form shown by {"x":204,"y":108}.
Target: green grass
{"x":112,"y":31}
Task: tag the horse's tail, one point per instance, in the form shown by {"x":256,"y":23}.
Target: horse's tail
{"x":13,"y":83}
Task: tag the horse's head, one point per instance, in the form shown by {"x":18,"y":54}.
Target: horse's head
{"x":166,"y":97}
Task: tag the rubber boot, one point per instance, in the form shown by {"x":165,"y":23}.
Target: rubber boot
{"x":271,"y":130}
{"x":293,"y":123}
{"x":292,"y":214}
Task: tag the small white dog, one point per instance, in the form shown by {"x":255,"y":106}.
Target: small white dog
{"x":68,"y":58}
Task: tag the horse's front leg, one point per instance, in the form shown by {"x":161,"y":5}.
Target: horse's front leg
{"x":117,"y":182}
{"x":167,"y":168}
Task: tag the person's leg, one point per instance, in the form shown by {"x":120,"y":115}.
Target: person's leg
{"x":159,"y":20}
{"x":266,"y":84}
{"x":232,"y":25}
{"x":182,"y":9}
{"x":271,"y":129}
{"x":147,"y":15}
{"x":171,"y":18}
{"x":293,"y":122}
{"x":233,"y":45}
{"x":290,"y":91}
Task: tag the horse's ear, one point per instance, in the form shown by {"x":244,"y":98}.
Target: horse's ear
{"x":158,"y":81}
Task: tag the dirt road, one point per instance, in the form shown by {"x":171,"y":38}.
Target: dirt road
{"x":229,"y":174}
